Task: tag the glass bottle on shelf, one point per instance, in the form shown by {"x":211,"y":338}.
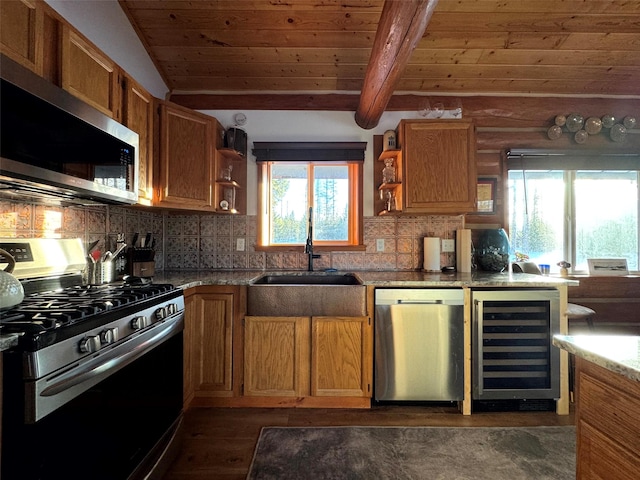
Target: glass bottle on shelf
{"x":225,"y":173}
{"x":389,"y":171}
{"x":391,"y":201}
{"x":230,"y":198}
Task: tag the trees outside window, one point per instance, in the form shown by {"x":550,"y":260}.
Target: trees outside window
{"x":291,"y":188}
{"x":574,"y":215}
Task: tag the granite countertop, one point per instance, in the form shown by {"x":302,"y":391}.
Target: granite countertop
{"x":410,"y":279}
{"x":8,"y":340}
{"x":376,"y":278}
{"x":617,"y":353}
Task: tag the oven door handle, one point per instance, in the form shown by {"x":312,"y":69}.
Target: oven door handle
{"x":113,"y":360}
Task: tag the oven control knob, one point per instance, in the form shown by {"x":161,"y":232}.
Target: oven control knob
{"x":90,"y":344}
{"x":139,"y":322}
{"x":109,"y":335}
{"x":162,"y":312}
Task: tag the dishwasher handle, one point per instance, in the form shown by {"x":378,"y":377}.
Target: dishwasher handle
{"x":420,"y":302}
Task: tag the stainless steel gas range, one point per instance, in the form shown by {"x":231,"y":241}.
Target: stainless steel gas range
{"x":94,"y":387}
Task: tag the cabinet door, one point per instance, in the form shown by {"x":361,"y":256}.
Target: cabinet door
{"x":185,"y":164}
{"x":212,"y":342}
{"x":190,"y":321}
{"x":440,"y":168}
{"x":341,"y":357}
{"x":138,"y":116}
{"x":89,"y":74}
{"x":276,"y":356}
{"x":21,"y":33}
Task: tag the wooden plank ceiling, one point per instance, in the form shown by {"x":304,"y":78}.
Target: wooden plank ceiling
{"x":213,"y":53}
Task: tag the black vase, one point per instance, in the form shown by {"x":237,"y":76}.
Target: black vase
{"x":492,"y":251}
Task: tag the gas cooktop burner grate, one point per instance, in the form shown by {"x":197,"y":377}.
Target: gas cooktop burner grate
{"x":56,"y":309}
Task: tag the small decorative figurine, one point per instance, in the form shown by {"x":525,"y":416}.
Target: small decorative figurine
{"x":389,"y":171}
{"x":389,"y":140}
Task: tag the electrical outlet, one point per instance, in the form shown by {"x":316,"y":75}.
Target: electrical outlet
{"x":380,"y":245}
{"x":448,"y":245}
{"x":240,"y":244}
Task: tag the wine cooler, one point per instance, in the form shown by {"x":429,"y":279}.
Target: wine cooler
{"x":513,"y":355}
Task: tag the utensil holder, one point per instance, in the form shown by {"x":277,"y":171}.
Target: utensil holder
{"x":99,"y":273}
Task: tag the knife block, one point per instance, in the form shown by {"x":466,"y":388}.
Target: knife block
{"x":141,"y":262}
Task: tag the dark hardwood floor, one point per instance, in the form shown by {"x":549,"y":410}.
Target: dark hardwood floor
{"x":218,"y":443}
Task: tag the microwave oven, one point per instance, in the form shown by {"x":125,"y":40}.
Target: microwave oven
{"x":56,"y":148}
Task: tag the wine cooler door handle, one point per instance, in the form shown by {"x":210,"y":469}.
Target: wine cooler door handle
{"x":477,"y":320}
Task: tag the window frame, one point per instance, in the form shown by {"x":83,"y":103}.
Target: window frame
{"x":356,"y":207}
{"x":569,"y":163}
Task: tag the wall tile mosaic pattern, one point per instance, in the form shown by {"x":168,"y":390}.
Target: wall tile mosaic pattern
{"x":209,"y":241}
{"x":101,"y":223}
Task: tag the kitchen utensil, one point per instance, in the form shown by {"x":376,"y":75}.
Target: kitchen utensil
{"x":11,"y":291}
{"x":92,"y":246}
{"x":147,"y":240}
{"x":121,"y":247}
{"x":134,"y":240}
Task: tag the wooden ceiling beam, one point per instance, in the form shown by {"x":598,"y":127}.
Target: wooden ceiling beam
{"x":400,"y":29}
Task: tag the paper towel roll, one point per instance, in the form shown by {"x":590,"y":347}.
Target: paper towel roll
{"x":431,"y":261}
{"x":463,"y":250}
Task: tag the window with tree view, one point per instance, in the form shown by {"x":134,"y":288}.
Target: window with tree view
{"x":294,"y":187}
{"x":574,"y":215}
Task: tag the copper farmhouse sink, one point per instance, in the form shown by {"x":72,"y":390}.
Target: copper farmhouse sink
{"x":307,"y":294}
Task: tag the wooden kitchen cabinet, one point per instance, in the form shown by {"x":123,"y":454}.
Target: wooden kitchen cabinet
{"x":607,"y":411}
{"x":341,"y":355}
{"x":190,"y":314}
{"x":35,"y":36}
{"x":307,"y":357}
{"x":89,"y":74}
{"x":190,"y":160}
{"x":138,"y":115}
{"x":184,"y":170}
{"x":276,"y":356}
{"x":210,"y":315}
{"x":438,"y":166}
{"x":21,"y":33}
{"x":29,"y":36}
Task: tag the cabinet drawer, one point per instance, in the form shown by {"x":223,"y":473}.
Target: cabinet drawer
{"x":600,"y":457}
{"x":609,"y":410}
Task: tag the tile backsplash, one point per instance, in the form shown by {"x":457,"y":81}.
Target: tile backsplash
{"x":209,"y":241}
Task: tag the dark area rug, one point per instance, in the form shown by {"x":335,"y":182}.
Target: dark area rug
{"x":434,"y":453}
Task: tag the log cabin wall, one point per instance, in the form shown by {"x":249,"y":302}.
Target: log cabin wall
{"x":504,"y":123}
{"x":615,"y":301}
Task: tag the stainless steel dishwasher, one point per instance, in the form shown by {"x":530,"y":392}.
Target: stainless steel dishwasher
{"x":419,"y":344}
